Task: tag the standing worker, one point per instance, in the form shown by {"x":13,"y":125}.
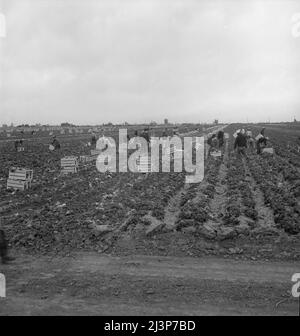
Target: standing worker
{"x":16,"y":145}
{"x":209,"y":144}
{"x":93,"y":139}
{"x":240,"y":143}
{"x":220,"y":137}
{"x":145,"y":135}
{"x":250,"y":140}
{"x":214,"y":141}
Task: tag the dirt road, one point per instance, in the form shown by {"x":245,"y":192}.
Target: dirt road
{"x":87,"y":284}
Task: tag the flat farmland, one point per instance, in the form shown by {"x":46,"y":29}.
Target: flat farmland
{"x":245,"y":213}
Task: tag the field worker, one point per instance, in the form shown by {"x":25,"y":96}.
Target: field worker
{"x":93,"y":139}
{"x":16,"y":145}
{"x":3,"y":246}
{"x":55,"y":143}
{"x":145,"y":135}
{"x":209,"y":143}
{"x":240,"y":144}
{"x":250,"y":140}
{"x":209,"y":138}
{"x":220,"y":138}
{"x":262,"y":136}
{"x":214,"y":141}
{"x":261,"y":141}
{"x":235,"y":134}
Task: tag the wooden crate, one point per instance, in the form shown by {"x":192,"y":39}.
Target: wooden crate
{"x":21,"y":174}
{"x":69,"y":164}
{"x":69,"y":160}
{"x":19,"y":178}
{"x":144,"y":164}
{"x":87,"y":158}
{"x":171,"y":151}
{"x":268,"y":150}
{"x":83,"y":159}
{"x":69,"y":170}
{"x":216,"y":153}
{"x":17,"y":184}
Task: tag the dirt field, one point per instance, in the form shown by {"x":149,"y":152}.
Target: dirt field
{"x":149,"y":244}
{"x":87,"y":284}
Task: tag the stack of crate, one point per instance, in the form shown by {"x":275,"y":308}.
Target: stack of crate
{"x":144,"y":164}
{"x":19,"y":178}
{"x":172,"y":150}
{"x":169,"y":150}
{"x":85,"y":161}
{"x":69,"y":164}
{"x":87,"y":158}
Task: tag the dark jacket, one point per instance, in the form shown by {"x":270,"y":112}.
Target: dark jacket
{"x":240,"y":141}
{"x":220,"y":135}
{"x":56,"y":144}
{"x":262,"y":140}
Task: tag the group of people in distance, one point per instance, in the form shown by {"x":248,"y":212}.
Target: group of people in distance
{"x":244,"y":140}
{"x":145,"y":133}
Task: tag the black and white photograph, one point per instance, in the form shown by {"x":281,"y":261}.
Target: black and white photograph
{"x":149,"y":160}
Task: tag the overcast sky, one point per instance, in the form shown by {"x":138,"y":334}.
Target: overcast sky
{"x":142,"y":60}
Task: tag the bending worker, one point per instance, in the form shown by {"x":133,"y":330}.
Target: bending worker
{"x":240,"y":143}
